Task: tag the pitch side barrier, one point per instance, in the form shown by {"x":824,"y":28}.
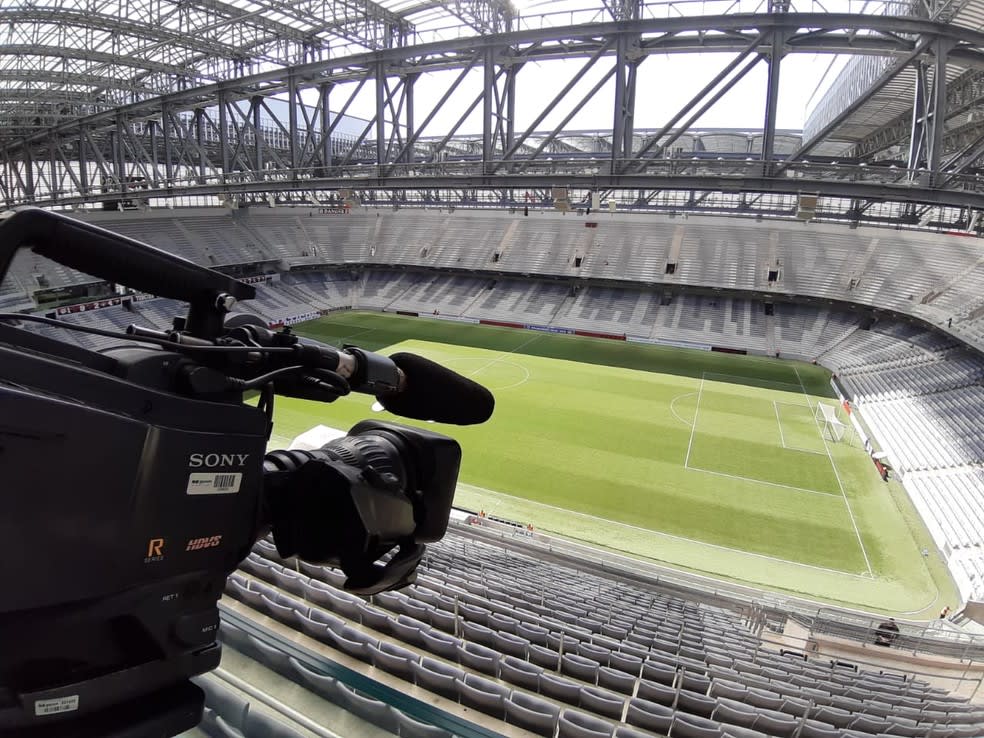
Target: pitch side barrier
{"x":750,"y":603}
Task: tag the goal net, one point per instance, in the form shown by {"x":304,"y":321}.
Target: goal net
{"x":830,"y":425}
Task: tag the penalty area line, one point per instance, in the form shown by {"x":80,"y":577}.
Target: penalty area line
{"x":847,"y":502}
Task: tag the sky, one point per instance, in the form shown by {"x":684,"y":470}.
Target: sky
{"x":665,"y":82}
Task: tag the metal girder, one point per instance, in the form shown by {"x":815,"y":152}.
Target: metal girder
{"x":834,"y":33}
{"x":231,"y":131}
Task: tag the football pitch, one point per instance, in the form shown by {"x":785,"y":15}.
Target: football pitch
{"x":709,"y":462}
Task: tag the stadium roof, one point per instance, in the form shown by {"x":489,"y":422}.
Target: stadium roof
{"x":65,"y":58}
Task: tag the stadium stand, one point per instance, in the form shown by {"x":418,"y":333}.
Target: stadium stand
{"x":560,"y":651}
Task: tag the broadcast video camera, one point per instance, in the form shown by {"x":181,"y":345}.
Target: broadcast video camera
{"x":134,"y":479}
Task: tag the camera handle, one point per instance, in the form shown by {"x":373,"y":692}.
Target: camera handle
{"x":122,"y":260}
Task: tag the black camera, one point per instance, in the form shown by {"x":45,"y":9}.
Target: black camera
{"x":134,"y":479}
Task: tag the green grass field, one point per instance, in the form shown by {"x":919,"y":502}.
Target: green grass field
{"x":710,"y":462}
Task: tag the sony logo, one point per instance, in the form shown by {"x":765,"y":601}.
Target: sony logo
{"x":210,"y":460}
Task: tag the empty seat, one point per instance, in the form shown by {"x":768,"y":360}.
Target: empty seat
{"x":482,"y":694}
{"x":368,"y":708}
{"x":409,"y":727}
{"x":501,"y":622}
{"x":728,"y":689}
{"x":391,"y":663}
{"x":507,"y":643}
{"x":436,"y":676}
{"x":594,"y":652}
{"x":649,"y":715}
{"x":532,"y":633}
{"x":696,"y":704}
{"x":833,"y":716}
{"x":810,"y":728}
{"x":373,"y":617}
{"x":775,"y":723}
{"x":735,"y":713}
{"x":656,"y":671}
{"x":531,"y":713}
{"x":521,"y":673}
{"x":627,"y":662}
{"x":559,"y":688}
{"x":543,"y":656}
{"x":764,"y":698}
{"x":579,"y":667}
{"x":574,"y":724}
{"x":602,"y":702}
{"x":290,"y":580}
{"x":476,"y":633}
{"x":320,"y":684}
{"x":441,"y":644}
{"x":477,"y":657}
{"x":694,"y":726}
{"x":658,"y":693}
{"x":227,"y":704}
{"x":442,"y":620}
{"x":616,"y":680}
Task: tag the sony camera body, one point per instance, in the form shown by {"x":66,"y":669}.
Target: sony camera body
{"x":135,"y":479}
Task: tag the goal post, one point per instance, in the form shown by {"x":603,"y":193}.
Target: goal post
{"x":831,"y":427}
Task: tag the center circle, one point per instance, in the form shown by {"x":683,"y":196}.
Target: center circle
{"x":496,"y":374}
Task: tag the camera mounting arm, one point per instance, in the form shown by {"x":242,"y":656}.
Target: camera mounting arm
{"x":119,"y":259}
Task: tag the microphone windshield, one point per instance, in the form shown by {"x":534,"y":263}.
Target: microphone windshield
{"x":434,"y":392}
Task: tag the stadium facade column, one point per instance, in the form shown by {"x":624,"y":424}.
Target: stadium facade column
{"x":200,"y":143}
{"x":293,"y":135}
{"x":324,"y":93}
{"x":937,"y":112}
{"x":380,"y":74}
{"x":626,"y":67}
{"x":778,"y":50}
{"x":168,"y":137}
{"x":223,"y":136}
{"x":155,"y":173}
{"x":254,"y":103}
{"x":489,"y":80}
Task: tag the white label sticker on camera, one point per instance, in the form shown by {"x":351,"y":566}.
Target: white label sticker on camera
{"x":57,"y":705}
{"x":218,"y":483}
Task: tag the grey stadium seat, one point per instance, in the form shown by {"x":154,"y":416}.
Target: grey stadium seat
{"x":320,"y":684}
{"x":649,"y":715}
{"x":579,"y":667}
{"x":735,"y":713}
{"x":437,"y":677}
{"x":440,"y":644}
{"x":695,"y":704}
{"x":693,"y":726}
{"x":810,"y":728}
{"x":531,"y":713}
{"x":659,"y":693}
{"x":627,"y":662}
{"x":478,"y":657}
{"x":482,"y":694}
{"x":776,"y":723}
{"x":560,"y":688}
{"x":227,"y":704}
{"x":602,"y":702}
{"x":519,"y":672}
{"x":408,"y":727}
{"x":391,"y":663}
{"x":574,"y":724}
{"x":507,"y":643}
{"x":543,"y":656}
{"x":616,"y":680}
